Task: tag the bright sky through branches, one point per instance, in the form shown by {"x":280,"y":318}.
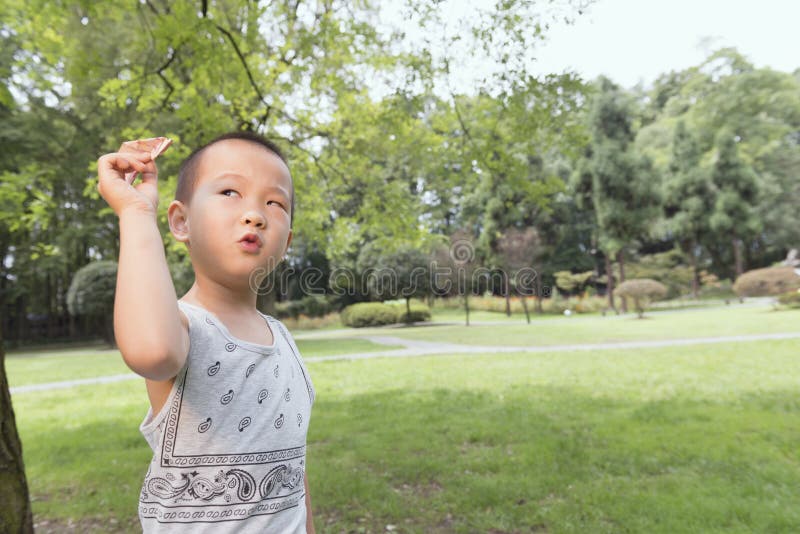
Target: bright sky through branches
{"x":633,"y":41}
{"x":637,"y":40}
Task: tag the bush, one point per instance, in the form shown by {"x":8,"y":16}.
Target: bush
{"x":668,"y":268}
{"x":587,"y":303}
{"x":368,"y":314}
{"x":91,"y":293}
{"x":419,"y":312}
{"x":312,"y":323}
{"x":553,"y":304}
{"x":642,"y":291}
{"x":712,"y":287}
{"x":92,"y":289}
{"x":790,"y":299}
{"x":767,"y":282}
{"x":310,"y":306}
{"x":590,"y":304}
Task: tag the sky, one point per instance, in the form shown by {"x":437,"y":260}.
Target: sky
{"x":633,"y":41}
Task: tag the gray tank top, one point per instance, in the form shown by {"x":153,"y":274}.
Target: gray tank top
{"x":229,"y":445}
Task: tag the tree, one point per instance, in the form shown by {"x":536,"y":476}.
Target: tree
{"x":621,"y":183}
{"x":761,"y":108}
{"x":15,"y":506}
{"x":734,"y":216}
{"x":569,"y":282}
{"x":518,"y":250}
{"x":687,"y":198}
{"x":399,"y":273}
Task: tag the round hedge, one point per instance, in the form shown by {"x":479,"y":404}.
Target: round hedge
{"x":642,"y":291}
{"x":368,"y":314}
{"x":92,"y":289}
{"x":767,"y":282}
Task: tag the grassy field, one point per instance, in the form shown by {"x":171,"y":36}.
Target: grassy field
{"x":54,"y":366}
{"x":701,"y":438}
{"x":597,"y":329}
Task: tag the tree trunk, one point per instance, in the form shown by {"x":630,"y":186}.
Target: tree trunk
{"x":508,"y":293}
{"x":737,"y":255}
{"x":408,"y":310}
{"x":15,"y":505}
{"x":539,"y":294}
{"x":610,"y":284}
{"x":621,"y":260}
{"x":695,"y":276}
{"x":525,"y":307}
{"x":466,"y":307}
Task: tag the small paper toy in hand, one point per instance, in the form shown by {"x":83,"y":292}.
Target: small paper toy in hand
{"x":155,"y":145}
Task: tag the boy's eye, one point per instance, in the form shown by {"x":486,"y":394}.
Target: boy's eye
{"x":276,"y":203}
{"x":228,"y":191}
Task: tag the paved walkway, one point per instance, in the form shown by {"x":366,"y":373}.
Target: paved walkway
{"x":425,"y":348}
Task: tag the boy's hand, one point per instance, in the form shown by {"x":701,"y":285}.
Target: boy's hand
{"x":118,"y":192}
{"x":133,"y":157}
{"x":155,"y":146}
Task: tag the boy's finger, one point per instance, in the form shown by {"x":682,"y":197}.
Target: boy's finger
{"x":119,"y":162}
{"x":141,"y":156}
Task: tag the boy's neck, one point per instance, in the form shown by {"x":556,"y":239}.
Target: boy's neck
{"x":222,"y":301}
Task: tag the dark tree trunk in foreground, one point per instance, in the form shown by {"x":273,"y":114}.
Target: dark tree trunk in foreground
{"x":15,"y":506}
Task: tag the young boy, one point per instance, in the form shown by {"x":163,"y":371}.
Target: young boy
{"x":230,"y":397}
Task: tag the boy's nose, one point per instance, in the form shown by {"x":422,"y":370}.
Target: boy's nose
{"x":253,"y":217}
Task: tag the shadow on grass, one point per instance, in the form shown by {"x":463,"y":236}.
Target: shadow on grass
{"x":519,"y":459}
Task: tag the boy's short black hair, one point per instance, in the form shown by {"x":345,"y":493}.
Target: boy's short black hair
{"x":187,"y":173}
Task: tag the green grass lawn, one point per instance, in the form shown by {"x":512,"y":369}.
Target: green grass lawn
{"x":598,"y":329}
{"x":686,"y":439}
{"x":55,"y":366}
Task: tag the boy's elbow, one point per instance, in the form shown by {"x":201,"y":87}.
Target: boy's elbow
{"x":156,"y":365}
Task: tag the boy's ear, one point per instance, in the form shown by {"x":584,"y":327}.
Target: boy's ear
{"x":178,"y":221}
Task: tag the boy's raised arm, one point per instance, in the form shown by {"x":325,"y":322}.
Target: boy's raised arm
{"x":147,"y":325}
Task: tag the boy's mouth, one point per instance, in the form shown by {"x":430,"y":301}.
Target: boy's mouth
{"x":251,"y":239}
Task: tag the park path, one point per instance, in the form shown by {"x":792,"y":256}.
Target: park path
{"x":426,"y":348}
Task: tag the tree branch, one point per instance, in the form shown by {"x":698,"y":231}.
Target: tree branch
{"x":242,"y":59}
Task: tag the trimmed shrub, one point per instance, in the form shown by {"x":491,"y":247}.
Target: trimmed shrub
{"x":91,"y":293}
{"x":767,"y":282}
{"x":364,"y":314}
{"x":791,"y":299}
{"x":669,"y":268}
{"x":642,"y":291}
{"x":92,"y":289}
{"x":419,"y":312}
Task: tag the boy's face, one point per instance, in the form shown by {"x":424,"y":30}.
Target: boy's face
{"x":240,"y":188}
